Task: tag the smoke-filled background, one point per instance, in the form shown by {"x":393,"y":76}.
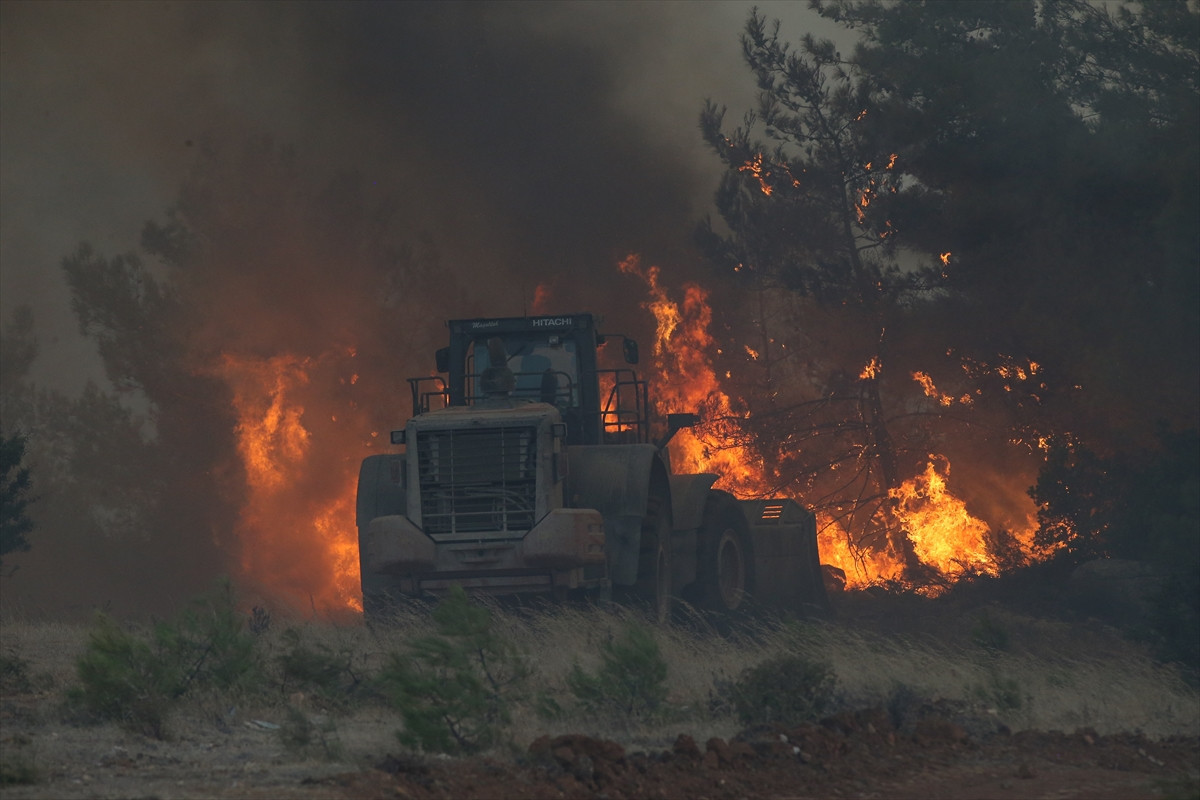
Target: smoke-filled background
{"x":447,"y":159}
{"x":528,"y":142}
{"x":963,"y":267}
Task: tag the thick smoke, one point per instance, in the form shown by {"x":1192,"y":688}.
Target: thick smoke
{"x":533,"y":142}
{"x":480,"y":150}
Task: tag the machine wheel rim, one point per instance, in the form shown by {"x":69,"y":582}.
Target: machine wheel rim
{"x":731,"y":570}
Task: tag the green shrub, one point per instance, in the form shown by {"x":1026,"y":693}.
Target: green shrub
{"x":632,"y":677}
{"x":126,"y":678}
{"x":303,"y":734}
{"x":989,"y":634}
{"x":16,"y":774}
{"x":210,"y":643}
{"x":317,"y":668}
{"x":17,"y":763}
{"x":1000,"y":693}
{"x":15,"y":523}
{"x":453,"y":687}
{"x":786,"y":689}
{"x":1175,"y":618}
{"x":135,"y":678}
{"x":14,"y":673}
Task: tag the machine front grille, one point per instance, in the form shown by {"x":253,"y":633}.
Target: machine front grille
{"x":478,"y":480}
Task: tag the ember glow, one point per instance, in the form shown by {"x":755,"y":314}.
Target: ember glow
{"x":947,"y":539}
{"x":755,"y":167}
{"x":945,"y":400}
{"x":764,"y":174}
{"x":296,"y":538}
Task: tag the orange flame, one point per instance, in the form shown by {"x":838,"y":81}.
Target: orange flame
{"x":755,"y":167}
{"x":945,"y":536}
{"x":761,"y":173}
{"x":931,"y":391}
{"x":685,"y":381}
{"x":297,"y":542}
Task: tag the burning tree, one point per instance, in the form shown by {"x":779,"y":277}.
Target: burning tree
{"x":968,"y":269}
{"x":812,"y":216}
{"x":1052,"y":149}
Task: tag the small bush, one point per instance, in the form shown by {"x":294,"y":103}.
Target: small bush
{"x":15,"y":523}
{"x":1175,"y":618}
{"x":786,"y":689}
{"x":989,"y":634}
{"x":317,"y":669}
{"x":453,"y":687}
{"x":210,"y":643}
{"x":902,"y":703}
{"x":126,"y":678}
{"x":135,"y":679}
{"x":304,"y":734}
{"x":631,"y":680}
{"x":14,"y":673}
{"x":17,"y":762}
{"x":1000,"y":692}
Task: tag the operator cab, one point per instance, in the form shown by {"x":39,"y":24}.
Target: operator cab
{"x":544,"y":368}
{"x":551,"y":360}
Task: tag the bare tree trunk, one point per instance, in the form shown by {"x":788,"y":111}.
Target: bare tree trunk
{"x":884,"y":452}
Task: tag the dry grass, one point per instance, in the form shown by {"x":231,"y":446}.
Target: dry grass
{"x":1034,"y":682}
{"x":1052,"y":676}
{"x":50,"y":647}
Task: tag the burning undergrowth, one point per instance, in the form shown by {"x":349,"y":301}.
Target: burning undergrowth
{"x":783,"y":416}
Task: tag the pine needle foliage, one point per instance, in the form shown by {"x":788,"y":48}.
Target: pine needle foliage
{"x":126,"y":678}
{"x":329,"y":672}
{"x":453,"y":687}
{"x":135,"y":677}
{"x":631,"y":680}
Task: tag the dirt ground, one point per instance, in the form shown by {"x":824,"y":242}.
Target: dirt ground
{"x":935,"y":744}
{"x":859,"y":754}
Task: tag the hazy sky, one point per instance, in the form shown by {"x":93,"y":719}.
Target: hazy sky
{"x":526,"y":137}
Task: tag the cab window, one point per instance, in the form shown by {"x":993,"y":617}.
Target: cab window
{"x":545,"y":369}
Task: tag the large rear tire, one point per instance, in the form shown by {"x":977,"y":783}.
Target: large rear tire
{"x":726,"y":557}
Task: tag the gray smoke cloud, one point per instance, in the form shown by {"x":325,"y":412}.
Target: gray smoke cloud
{"x":533,"y":142}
